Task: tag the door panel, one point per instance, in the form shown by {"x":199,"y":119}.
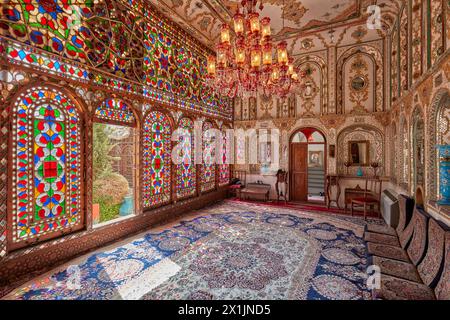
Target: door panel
{"x":299,"y":172}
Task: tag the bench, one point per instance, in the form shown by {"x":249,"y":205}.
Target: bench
{"x":255,"y":190}
{"x":413,"y":259}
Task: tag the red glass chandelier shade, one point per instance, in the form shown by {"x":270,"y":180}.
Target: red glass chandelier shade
{"x":245,"y":64}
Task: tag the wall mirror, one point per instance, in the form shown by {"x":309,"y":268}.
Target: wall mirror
{"x":358,"y":153}
{"x":358,"y":83}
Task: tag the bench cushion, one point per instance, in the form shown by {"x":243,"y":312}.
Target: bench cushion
{"x":398,"y":269}
{"x":429,"y":269}
{"x":375,"y":228}
{"x":393,"y":288}
{"x":386,"y":251}
{"x":416,"y":249}
{"x":381,"y":238}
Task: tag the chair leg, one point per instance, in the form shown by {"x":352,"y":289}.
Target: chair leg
{"x":351,"y":209}
{"x":365,"y":211}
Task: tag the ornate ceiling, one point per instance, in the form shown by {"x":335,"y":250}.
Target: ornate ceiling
{"x":321,"y":22}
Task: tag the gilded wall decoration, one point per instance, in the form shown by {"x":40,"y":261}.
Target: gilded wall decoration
{"x":284,"y":124}
{"x":252,"y":108}
{"x":358,"y":84}
{"x":395,"y":65}
{"x":238,"y":106}
{"x":332,"y":121}
{"x":405,"y":155}
{"x":417,"y":38}
{"x":359,"y":34}
{"x":376,"y":73}
{"x":266,"y":106}
{"x":393,"y":145}
{"x":437,"y":29}
{"x":404,"y":50}
{"x":418,"y":149}
{"x":313,"y":98}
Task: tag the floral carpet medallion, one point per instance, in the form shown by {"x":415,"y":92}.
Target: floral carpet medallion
{"x":232,"y":251}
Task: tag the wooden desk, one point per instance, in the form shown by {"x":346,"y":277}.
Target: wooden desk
{"x":255,"y":189}
{"x":352,"y":193}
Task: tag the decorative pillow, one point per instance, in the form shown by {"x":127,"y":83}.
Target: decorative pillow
{"x":431,"y":265}
{"x":443,"y":287}
{"x":406,"y":206}
{"x":418,"y":245}
{"x":381,"y":238}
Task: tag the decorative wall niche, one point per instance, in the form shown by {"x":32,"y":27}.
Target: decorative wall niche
{"x":360,"y":81}
{"x":418,"y":148}
{"x":375,"y":142}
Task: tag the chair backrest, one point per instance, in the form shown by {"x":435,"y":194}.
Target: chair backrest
{"x":406,"y":206}
{"x":407,"y":233}
{"x":282,"y":177}
{"x":241,"y":175}
{"x":418,"y":245}
{"x":442,"y":290}
{"x":431,"y":266}
{"x":373,"y":187}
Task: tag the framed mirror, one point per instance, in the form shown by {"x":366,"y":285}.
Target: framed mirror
{"x":359,"y":153}
{"x":358,"y":83}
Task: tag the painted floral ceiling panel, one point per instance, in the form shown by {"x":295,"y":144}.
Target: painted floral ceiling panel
{"x":289,"y":18}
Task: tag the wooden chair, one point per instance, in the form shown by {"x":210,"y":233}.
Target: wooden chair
{"x":235,"y":189}
{"x":371,"y":197}
{"x":281,"y":186}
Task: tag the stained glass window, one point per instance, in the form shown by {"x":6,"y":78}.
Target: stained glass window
{"x":224,"y":167}
{"x":46,"y":178}
{"x":208,"y":167}
{"x":186,"y":172}
{"x":125,"y":38}
{"x":156,"y":159}
{"x":115,"y":110}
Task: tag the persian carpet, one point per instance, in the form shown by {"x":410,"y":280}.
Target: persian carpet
{"x":227,"y":251}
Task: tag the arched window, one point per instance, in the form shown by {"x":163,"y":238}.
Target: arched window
{"x":115,"y":171}
{"x":186,"y":173}
{"x":208,"y":167}
{"x":156,"y":159}
{"x":115,"y":110}
{"x":224,"y":167}
{"x":47,"y":169}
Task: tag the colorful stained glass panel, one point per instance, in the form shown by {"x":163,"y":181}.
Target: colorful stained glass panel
{"x":156,"y":159}
{"x":46,"y":192}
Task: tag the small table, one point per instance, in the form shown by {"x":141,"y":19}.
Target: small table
{"x":255,"y":189}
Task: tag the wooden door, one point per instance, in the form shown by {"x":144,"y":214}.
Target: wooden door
{"x":299,"y":172}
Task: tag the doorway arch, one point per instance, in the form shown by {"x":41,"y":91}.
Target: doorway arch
{"x":307,"y":165}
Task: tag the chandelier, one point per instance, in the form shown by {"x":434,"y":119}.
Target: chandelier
{"x":246,"y":64}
